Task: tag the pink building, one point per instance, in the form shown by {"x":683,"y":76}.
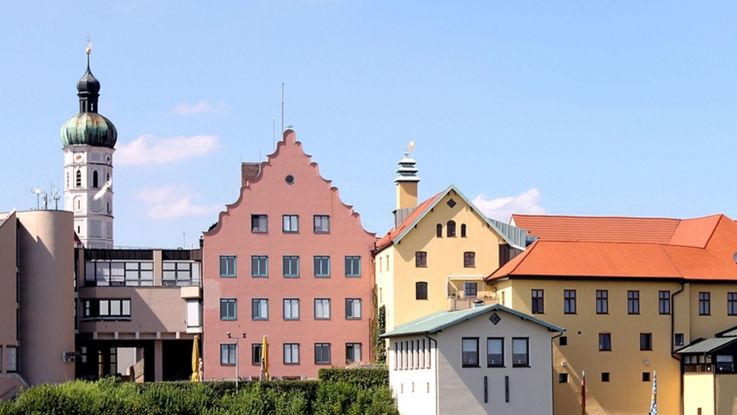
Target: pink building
{"x":288,"y":260}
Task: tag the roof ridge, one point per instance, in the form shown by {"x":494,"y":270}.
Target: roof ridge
{"x":597,"y":216}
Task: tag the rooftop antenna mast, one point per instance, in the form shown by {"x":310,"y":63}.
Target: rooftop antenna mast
{"x":37,"y":191}
{"x":56,"y":196}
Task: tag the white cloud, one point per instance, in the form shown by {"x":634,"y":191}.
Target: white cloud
{"x":200,"y":107}
{"x":149,"y":149}
{"x":169,"y":202}
{"x":502,"y":208}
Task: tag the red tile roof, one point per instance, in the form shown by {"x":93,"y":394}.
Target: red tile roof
{"x":389,"y":237}
{"x":695,"y":249}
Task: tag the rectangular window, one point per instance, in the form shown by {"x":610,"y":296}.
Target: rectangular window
{"x":704,"y":303}
{"x":470,"y":352}
{"x":353,"y":266}
{"x":469,"y":259}
{"x":605,"y":342}
{"x":290,"y":266}
{"x":321,"y":266}
{"x":322,"y":353}
{"x":605,"y":376}
{"x":141,"y":274}
{"x":11,"y":364}
{"x":678,"y":339}
{"x":421,"y":290}
{"x":732,"y":304}
{"x":352,"y":353}
{"x":495,"y":352}
{"x":227,"y":354}
{"x":646,"y":376}
{"x":353,"y":308}
{"x":602,"y":302}
{"x":321,"y":224}
{"x":421,"y":259}
{"x":175,"y":274}
{"x":646,"y":341}
{"x":291,"y":353}
{"x":260,"y":309}
{"x":256,"y":354}
{"x":664,"y":302}
{"x":520,"y":352}
{"x":322,"y":308}
{"x":538,"y":301}
{"x":259,"y":266}
{"x":259,"y":223}
{"x":633,"y":302}
{"x":562,"y":377}
{"x":569,"y":301}
{"x":227,"y":266}
{"x":563,"y":340}
{"x":228,"y":309}
{"x":291,"y":308}
{"x":290,"y":223}
{"x":470,"y":289}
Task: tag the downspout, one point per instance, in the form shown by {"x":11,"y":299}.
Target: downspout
{"x":672,"y":342}
{"x":552,"y":380}
{"x":437,"y":375}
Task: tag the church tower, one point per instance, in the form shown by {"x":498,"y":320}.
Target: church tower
{"x":89,"y":142}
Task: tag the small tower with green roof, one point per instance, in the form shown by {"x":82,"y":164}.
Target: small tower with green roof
{"x":89,"y":142}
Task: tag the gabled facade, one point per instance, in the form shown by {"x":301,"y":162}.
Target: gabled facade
{"x":289,"y":261}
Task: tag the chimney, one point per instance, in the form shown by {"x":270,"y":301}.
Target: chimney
{"x":406,"y":182}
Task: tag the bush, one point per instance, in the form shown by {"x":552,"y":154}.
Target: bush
{"x":362,"y":377}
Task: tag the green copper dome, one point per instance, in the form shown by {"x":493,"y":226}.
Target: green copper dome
{"x":89,"y":129}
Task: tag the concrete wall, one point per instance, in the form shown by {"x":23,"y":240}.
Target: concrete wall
{"x":698,"y":393}
{"x":46,"y":244}
{"x":414,"y":385}
{"x":270,"y":194}
{"x":8,"y":303}
{"x":725,"y":394}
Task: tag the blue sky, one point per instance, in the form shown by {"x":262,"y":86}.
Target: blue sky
{"x":566,"y":107}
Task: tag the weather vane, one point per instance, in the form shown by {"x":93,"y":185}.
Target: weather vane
{"x":410,"y":147}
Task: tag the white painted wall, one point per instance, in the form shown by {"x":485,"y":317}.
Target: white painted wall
{"x":413,"y":381}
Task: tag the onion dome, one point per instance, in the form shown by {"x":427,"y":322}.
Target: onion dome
{"x":88,"y":128}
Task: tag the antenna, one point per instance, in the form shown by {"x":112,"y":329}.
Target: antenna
{"x":282,"y":107}
{"x":37,"y":191}
{"x":56,"y":196}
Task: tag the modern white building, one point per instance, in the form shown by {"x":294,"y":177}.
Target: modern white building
{"x":483,"y":360}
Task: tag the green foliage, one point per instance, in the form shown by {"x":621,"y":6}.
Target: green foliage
{"x":362,"y":377}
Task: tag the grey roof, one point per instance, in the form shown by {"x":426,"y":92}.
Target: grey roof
{"x":516,"y":237}
{"x":728,"y":333}
{"x":707,"y":345}
{"x":438,"y":321}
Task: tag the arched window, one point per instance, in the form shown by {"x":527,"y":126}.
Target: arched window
{"x":67,"y":180}
{"x":78,"y":180}
{"x":95,"y":181}
{"x":439,"y":230}
{"x":451,"y":231}
{"x":421,"y":290}
{"x":463,"y":230}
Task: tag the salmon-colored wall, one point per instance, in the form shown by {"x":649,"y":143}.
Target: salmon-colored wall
{"x":270,"y":194}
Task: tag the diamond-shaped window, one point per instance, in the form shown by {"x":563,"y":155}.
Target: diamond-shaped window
{"x":451,"y":202}
{"x":495,"y":318}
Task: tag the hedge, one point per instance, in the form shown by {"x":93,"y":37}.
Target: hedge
{"x":373,"y":377}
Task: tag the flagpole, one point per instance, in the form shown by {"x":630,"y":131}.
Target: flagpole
{"x":583,"y":392}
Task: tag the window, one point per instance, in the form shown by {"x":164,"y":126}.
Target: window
{"x":291,"y":353}
{"x":95,"y":180}
{"x":177,"y":273}
{"x":106,"y":309}
{"x":646,"y":341}
{"x":421,"y":259}
{"x":469,"y":259}
{"x":290,"y":223}
{"x":704,"y":303}
{"x":256,"y":354}
{"x":562,"y":377}
{"x":259,"y":223}
{"x":538,"y":301}
{"x":495,"y":352}
{"x":352,"y":353}
{"x":470,"y":289}
{"x":724,"y":363}
{"x":321,"y":224}
{"x":602,"y":302}
{"x":259,"y":266}
{"x":290,"y":266}
{"x":463,"y":230}
{"x":569,"y":301}
{"x":605,"y":376}
{"x":605,"y":342}
{"x":322,"y":266}
{"x":227,"y":266}
{"x":353,"y":308}
{"x":563,"y":340}
{"x":633,"y":302}
{"x":291,"y":308}
{"x":520,"y":352}
{"x":439,"y":230}
{"x":664,"y":302}
{"x":470,"y":352}
{"x":322,"y":308}
{"x":450,"y":230}
{"x":322,"y":353}
{"x":678,"y":339}
{"x":78,"y":179}
{"x":646,"y":376}
{"x":732,"y":304}
{"x":260,"y":309}
{"x":142,"y":273}
{"x":227,"y":354}
{"x":228,"y":309}
{"x":421,"y":290}
{"x":353,"y":266}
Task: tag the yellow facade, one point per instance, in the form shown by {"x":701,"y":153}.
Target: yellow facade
{"x":698,"y":396}
{"x":397,"y":273}
{"x":406,"y":195}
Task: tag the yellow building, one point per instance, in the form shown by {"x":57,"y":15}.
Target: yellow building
{"x":438,"y":253}
{"x":631,"y":292}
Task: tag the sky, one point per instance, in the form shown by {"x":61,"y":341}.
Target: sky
{"x":565,"y":107}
